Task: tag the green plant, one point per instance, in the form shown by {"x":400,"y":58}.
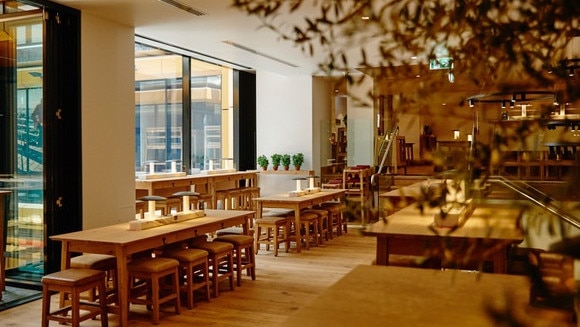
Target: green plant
{"x":276,"y":158}
{"x":286,"y":160}
{"x":298,"y":160}
{"x":263,"y":161}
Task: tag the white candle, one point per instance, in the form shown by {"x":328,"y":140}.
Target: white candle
{"x":211,"y":165}
{"x":455,"y":135}
{"x":151,"y":205}
{"x":298,"y":186}
{"x":469,"y":138}
{"x":311,"y":182}
{"x":151,"y":167}
{"x":173,"y":166}
{"x":186,"y":203}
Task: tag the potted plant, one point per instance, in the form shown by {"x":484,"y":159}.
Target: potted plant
{"x":297,"y":160}
{"x":276,"y":158}
{"x":263,"y":162}
{"x":286,"y":161}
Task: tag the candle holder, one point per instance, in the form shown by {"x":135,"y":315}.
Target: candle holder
{"x":298,"y":191}
{"x":311,"y":188}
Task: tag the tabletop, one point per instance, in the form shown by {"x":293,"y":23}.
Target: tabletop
{"x":119,"y":234}
{"x":399,"y":296}
{"x":484,"y":222}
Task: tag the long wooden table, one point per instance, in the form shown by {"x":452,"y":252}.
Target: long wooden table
{"x":2,"y":245}
{"x":396,"y":296}
{"x":202,"y":183}
{"x":119,"y":241}
{"x":297,"y":203}
{"x":485,"y":235}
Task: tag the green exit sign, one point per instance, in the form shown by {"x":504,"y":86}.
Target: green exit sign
{"x":440,"y":63}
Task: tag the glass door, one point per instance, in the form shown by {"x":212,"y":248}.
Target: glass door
{"x":21,"y":169}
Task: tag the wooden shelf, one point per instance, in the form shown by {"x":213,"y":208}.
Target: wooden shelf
{"x":287,"y":172}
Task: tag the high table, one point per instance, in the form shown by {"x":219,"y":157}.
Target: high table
{"x":485,"y":235}
{"x":396,"y":296}
{"x":285,"y":201}
{"x":119,"y":241}
{"x":203,"y":183}
{"x":2,"y":260}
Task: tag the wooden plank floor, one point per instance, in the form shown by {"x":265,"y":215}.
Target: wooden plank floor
{"x":284,"y":284}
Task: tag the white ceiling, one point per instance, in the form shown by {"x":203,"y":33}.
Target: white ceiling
{"x":206,"y":34}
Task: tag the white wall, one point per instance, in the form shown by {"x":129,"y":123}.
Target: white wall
{"x":360,"y":123}
{"x":283,"y":123}
{"x":108,"y":122}
{"x":322,"y":98}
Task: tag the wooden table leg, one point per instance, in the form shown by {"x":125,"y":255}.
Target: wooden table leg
{"x":122,"y":286}
{"x":297,"y":229}
{"x":382,"y":257}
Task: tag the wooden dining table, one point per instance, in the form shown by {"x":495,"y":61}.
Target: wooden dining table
{"x":121,"y":242}
{"x":297,"y":203}
{"x":486,"y":235}
{"x":400,"y":296}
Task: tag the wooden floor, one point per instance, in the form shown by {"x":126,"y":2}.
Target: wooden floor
{"x":283,"y":285}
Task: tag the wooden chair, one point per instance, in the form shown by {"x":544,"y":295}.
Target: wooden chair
{"x":74,"y":282}
{"x":154,"y":271}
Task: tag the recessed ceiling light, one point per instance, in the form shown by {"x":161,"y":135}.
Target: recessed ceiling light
{"x":414,"y":58}
{"x":365,"y":18}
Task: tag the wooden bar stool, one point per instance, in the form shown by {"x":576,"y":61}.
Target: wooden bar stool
{"x":104,"y":262}
{"x":74,"y":282}
{"x":323,"y":223}
{"x":195,"y":267}
{"x":335,"y":216}
{"x":153,"y":271}
{"x":221,"y":261}
{"x":309,"y":226}
{"x":272,"y":231}
{"x":244,"y":254}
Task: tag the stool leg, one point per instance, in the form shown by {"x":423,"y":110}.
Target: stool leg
{"x":189,"y":281}
{"x":45,"y":305}
{"x":238,"y":259}
{"x":276,"y":241}
{"x":252,"y":258}
{"x":155,"y":298}
{"x":103,"y":305}
{"x":75,"y":307}
{"x":214,"y":276}
{"x":231,"y":265}
{"x":176,"y":290}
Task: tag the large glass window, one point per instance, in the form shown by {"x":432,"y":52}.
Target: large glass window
{"x":21,"y":49}
{"x":159,"y":111}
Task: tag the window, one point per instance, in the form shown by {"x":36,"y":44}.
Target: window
{"x":160,"y":138}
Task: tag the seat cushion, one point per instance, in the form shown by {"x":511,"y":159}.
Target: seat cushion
{"x":94,"y":261}
{"x":73,"y":277}
{"x":215,"y":247}
{"x":235,"y":239}
{"x":187,"y":255}
{"x":152,"y":265}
